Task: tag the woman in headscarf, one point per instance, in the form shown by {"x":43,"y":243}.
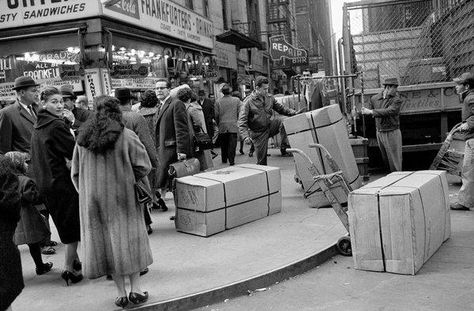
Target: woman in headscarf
{"x":52,"y":144}
{"x":108,"y":161}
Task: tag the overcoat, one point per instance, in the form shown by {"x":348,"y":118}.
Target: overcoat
{"x":227,"y":114}
{"x":113,"y":234}
{"x":16,"y":126}
{"x":51,"y":145}
{"x":31,"y":228}
{"x":172,"y":136}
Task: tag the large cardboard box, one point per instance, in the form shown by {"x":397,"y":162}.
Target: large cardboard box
{"x":200,"y":206}
{"x":327,"y":127}
{"x":398,"y":222}
{"x":213,"y":201}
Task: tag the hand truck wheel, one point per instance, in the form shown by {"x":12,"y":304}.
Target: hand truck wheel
{"x":344,"y":246}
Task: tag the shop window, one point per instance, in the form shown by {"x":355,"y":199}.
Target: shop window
{"x":48,"y":68}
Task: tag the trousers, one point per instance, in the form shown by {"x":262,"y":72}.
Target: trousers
{"x":260,"y":139}
{"x":466,"y":193}
{"x":390,"y":145}
{"x":228,"y":145}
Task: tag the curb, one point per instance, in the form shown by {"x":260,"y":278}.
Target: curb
{"x":241,"y":288}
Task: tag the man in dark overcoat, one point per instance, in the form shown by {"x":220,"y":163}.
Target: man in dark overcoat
{"x":17,"y":120}
{"x":172,"y":132}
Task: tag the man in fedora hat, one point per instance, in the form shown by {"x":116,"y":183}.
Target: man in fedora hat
{"x":17,"y":120}
{"x":465,"y":88}
{"x":385,"y":108}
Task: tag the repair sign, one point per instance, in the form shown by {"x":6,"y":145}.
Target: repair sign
{"x":280,"y":49}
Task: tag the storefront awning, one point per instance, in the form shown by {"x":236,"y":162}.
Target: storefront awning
{"x":238,"y":39}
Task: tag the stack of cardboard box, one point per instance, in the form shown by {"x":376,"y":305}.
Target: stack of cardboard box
{"x":398,"y":222}
{"x":211,"y":202}
{"x":327,"y":127}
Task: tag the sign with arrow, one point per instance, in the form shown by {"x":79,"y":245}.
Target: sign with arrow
{"x":281,"y":50}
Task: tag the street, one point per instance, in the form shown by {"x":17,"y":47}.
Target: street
{"x":444,"y":283}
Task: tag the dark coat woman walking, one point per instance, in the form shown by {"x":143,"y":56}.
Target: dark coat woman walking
{"x":52,"y":145}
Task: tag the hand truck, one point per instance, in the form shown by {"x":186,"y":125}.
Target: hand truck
{"x":447,"y":159}
{"x":326,"y":183}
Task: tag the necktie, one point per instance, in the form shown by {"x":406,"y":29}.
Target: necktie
{"x":32,"y":112}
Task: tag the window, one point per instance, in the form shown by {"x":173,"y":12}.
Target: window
{"x":205,"y":7}
{"x":189,"y":4}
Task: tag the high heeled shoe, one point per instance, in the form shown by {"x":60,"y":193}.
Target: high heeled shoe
{"x":69,"y":276}
{"x":121,"y":301}
{"x":137,"y":298}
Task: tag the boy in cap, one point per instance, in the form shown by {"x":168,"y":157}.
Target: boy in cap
{"x":385,"y":108}
{"x":465,"y":88}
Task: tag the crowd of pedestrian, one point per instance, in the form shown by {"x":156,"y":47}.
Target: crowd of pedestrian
{"x":60,"y":160}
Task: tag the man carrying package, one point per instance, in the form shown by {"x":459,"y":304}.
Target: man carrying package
{"x":256,"y":122}
{"x":465,"y":87}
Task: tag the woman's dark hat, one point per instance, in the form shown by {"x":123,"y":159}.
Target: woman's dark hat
{"x":123,"y":94}
{"x":23,"y":83}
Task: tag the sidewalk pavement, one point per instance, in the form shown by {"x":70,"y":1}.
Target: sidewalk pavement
{"x":190,"y":271}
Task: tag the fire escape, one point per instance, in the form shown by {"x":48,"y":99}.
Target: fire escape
{"x":281,"y":21}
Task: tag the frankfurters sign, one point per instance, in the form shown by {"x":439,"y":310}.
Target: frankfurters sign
{"x":280,"y":50}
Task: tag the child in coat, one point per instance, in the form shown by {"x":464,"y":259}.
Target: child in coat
{"x":31,"y":228}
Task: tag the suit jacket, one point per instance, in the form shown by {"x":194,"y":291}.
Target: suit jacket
{"x":227,"y":114}
{"x":208,"y":111}
{"x":16,"y":126}
{"x":172,"y":136}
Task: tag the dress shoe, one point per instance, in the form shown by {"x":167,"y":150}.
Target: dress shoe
{"x":459,"y":207}
{"x":48,"y":250}
{"x":77,"y":265}
{"x":121,"y":301}
{"x":251,"y":154}
{"x":144,"y":271}
{"x":46,"y":267}
{"x":162,"y":204}
{"x":137,"y":298}
{"x":241,"y":151}
{"x":149,"y":230}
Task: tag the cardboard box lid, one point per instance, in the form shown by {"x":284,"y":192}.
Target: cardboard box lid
{"x":325,"y":116}
{"x":199,"y":194}
{"x":296,"y":124}
{"x":240,"y":184}
{"x":379,"y":184}
{"x":273,"y":175}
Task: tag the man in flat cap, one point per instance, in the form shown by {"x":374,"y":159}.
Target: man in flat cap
{"x":385,"y":108}
{"x":465,"y":87}
{"x":17,"y":120}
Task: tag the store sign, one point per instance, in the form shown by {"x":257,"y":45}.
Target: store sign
{"x":225,"y":55}
{"x":69,"y":72}
{"x":280,"y":50}
{"x":137,"y":83}
{"x":93,"y":82}
{"x":166,"y":17}
{"x":17,"y":13}
{"x":129,"y":71}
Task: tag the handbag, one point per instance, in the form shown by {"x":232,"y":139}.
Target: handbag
{"x":187,"y":167}
{"x":143,"y":194}
{"x":202,"y":140}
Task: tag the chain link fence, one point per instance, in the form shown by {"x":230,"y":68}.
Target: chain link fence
{"x":416,"y":41}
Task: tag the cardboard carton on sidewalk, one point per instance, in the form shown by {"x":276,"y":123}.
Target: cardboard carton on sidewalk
{"x":327,"y":127}
{"x":208,"y":203}
{"x":398,"y":222}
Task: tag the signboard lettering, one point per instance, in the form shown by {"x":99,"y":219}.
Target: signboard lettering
{"x":16,"y":13}
{"x":280,"y":50}
{"x":166,"y":17}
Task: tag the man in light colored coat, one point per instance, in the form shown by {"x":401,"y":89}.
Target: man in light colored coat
{"x":227,"y":110}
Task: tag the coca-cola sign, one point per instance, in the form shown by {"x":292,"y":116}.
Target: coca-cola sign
{"x":127,"y":7}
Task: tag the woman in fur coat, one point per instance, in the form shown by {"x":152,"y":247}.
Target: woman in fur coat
{"x":108,"y":161}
